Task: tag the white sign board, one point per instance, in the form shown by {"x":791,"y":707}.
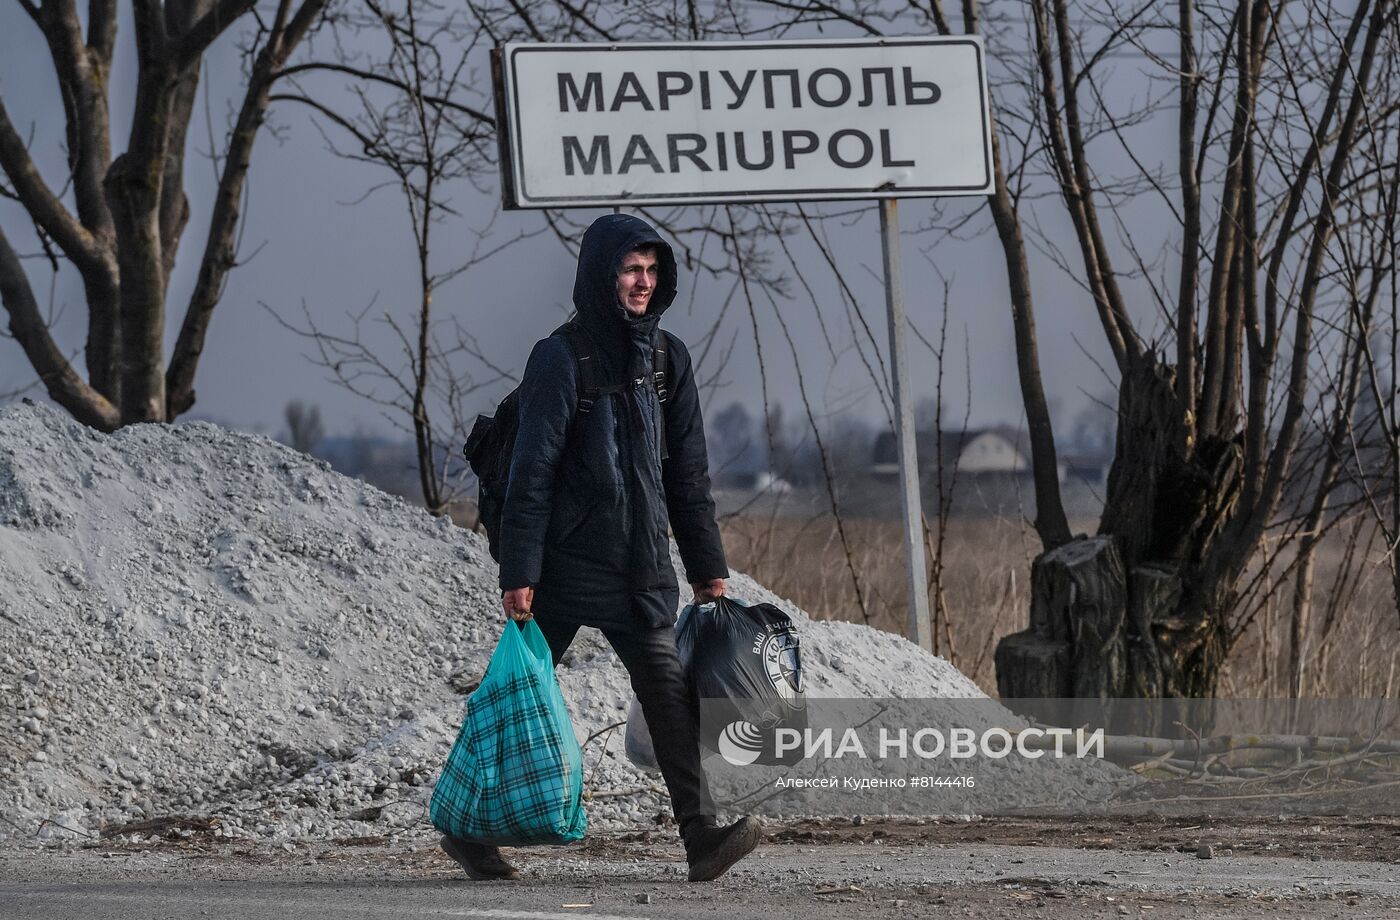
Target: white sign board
{"x":696,"y":122}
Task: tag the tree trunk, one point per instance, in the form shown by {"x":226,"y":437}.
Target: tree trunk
{"x":134,"y":196}
{"x":1154,"y":595}
{"x":1075,"y":644}
{"x":1137,"y":613}
{"x":1031,"y":668}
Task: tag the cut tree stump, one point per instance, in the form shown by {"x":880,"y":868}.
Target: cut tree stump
{"x":1077,"y":642}
{"x":1032,"y":667}
{"x":1079,"y":593}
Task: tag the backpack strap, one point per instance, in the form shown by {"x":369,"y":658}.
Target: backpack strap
{"x":589,"y":389}
{"x":661,"y":379}
{"x":659,"y":367}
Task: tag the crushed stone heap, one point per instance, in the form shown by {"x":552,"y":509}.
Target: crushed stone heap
{"x":203,"y":628}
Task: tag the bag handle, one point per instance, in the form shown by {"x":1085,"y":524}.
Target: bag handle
{"x":534,"y":644}
{"x":522,"y":645}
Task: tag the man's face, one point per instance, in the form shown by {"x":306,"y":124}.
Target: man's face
{"x":636,"y":280}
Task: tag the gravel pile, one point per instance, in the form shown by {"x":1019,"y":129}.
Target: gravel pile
{"x":202,"y":629}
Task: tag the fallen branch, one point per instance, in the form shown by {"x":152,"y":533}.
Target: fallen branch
{"x":1284,"y":794}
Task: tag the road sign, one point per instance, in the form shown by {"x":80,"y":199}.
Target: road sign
{"x":630,"y":124}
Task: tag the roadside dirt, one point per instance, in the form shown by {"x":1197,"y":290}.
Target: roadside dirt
{"x":1328,"y":837}
{"x":1002,"y":868}
{"x":1371,"y":840}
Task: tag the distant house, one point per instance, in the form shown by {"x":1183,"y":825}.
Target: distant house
{"x":992,"y":450}
{"x":1000,"y":451}
{"x":759,"y":481}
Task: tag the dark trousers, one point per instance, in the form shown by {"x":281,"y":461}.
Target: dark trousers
{"x":651,"y":660}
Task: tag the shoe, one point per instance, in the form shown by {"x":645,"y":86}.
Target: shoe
{"x":480,"y":861}
{"x":711,"y":850}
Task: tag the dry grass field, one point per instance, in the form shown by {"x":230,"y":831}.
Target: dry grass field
{"x":1352,"y":649}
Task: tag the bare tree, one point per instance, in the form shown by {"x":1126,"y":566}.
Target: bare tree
{"x":1373,"y":447}
{"x":1356,"y":437}
{"x":945,"y":483}
{"x":119,"y":222}
{"x":412,"y":109}
{"x":304,"y":430}
{"x":1209,"y":431}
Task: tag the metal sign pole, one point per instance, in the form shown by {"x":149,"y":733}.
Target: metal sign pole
{"x":920,"y":629}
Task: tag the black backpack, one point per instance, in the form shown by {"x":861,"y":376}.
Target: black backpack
{"x":492,"y":440}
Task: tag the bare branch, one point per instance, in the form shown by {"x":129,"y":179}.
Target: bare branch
{"x":221,"y":245}
{"x":42,"y":204}
{"x":27,"y":325}
{"x":370,"y":76}
{"x":206,"y":31}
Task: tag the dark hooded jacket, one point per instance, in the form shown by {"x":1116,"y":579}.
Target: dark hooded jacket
{"x":589,"y":498}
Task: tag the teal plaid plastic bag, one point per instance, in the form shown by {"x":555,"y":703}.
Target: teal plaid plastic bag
{"x":515,"y":774}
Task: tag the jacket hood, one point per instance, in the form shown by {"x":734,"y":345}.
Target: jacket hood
{"x":606,"y":241}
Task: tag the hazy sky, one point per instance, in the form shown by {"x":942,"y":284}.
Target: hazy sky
{"x":306,"y":243}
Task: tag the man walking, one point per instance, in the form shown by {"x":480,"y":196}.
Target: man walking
{"x":594,"y":480}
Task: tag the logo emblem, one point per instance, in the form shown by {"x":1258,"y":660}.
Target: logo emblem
{"x":782,"y":662}
{"x":740,"y":743}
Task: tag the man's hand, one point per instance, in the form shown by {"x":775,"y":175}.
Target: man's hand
{"x":707,"y":591}
{"x":517,"y":602}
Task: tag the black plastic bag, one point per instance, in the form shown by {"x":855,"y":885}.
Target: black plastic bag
{"x":749,"y":657}
{"x":743,"y":663}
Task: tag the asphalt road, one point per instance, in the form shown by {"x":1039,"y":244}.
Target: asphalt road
{"x":648,"y":881}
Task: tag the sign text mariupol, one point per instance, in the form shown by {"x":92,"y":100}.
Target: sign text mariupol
{"x":693,"y":122}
